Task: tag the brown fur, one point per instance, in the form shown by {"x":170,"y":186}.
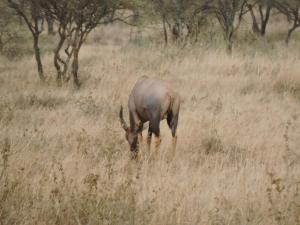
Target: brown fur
{"x":152,"y":100}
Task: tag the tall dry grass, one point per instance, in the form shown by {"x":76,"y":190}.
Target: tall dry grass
{"x":65,"y":159}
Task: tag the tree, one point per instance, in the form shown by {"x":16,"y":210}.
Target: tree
{"x":195,"y":19}
{"x":178,"y":17}
{"x":59,"y":12}
{"x":229,"y":14}
{"x":75,"y":20}
{"x":50,"y":24}
{"x":260,"y":11}
{"x":290,"y":8}
{"x":189,"y":15}
{"x":160,"y":8}
{"x":30,"y":12}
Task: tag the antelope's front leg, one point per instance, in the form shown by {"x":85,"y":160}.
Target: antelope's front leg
{"x":140,"y":138}
{"x":174,"y":143}
{"x":140,"y":145}
{"x":149,"y":140}
{"x":157,"y":143}
{"x":155,"y":153}
{"x":135,"y":155}
{"x":140,"y":135}
{"x":154,"y":127}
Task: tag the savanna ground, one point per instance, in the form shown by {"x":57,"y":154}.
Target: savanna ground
{"x":65,"y":159}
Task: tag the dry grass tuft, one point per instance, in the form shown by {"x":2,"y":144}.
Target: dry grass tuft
{"x":291,"y":87}
{"x":212,"y":144}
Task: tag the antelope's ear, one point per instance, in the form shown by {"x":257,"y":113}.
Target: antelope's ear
{"x":122,"y":121}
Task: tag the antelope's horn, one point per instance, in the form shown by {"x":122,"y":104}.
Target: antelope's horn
{"x":123,"y":123}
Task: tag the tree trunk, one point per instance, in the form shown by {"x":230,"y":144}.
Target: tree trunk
{"x":1,"y":44}
{"x":229,"y":47}
{"x":75,"y":67}
{"x":66,"y":64}
{"x":38,"y":57}
{"x":56,"y":63}
{"x":50,"y":26}
{"x":165,"y":30}
{"x":264,"y":21}
{"x":136,"y":16}
{"x":229,"y":43}
{"x":291,"y":30}
{"x":177,"y":28}
{"x":33,"y":27}
{"x":295,"y":25}
{"x":255,"y":27}
{"x":228,"y":38}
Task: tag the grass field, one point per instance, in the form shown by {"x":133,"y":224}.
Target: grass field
{"x":65,"y":159}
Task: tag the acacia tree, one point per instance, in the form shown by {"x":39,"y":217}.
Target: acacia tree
{"x":50,"y":24}
{"x":189,"y":15}
{"x":30,"y":12}
{"x":229,"y":14}
{"x":160,"y":9}
{"x":177,"y":16}
{"x":290,"y":8}
{"x":260,"y":11}
{"x":75,"y":20}
{"x":59,"y":11}
{"x":195,"y":18}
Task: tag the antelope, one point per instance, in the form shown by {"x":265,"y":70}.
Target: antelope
{"x":152,"y":100}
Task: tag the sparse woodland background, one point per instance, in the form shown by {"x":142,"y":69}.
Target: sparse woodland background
{"x":67,"y":66}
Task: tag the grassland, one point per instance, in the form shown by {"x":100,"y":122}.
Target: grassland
{"x":65,"y":159}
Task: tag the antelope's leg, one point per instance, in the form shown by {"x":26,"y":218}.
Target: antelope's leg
{"x":154,"y":154}
{"x":140,"y":130}
{"x":149,"y":140}
{"x":157,"y":138}
{"x":140,"y":145}
{"x":140,"y":138}
{"x":174,"y":143}
{"x":154,"y":128}
{"x":157,"y":143}
{"x":135,"y":155}
{"x":173,"y":126}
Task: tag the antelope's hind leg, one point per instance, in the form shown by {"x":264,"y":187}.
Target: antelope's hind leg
{"x":140,"y":139}
{"x":154,"y":127}
{"x":139,"y":131}
{"x":157,"y":143}
{"x":149,"y":137}
{"x":174,"y":144}
{"x":172,"y":123}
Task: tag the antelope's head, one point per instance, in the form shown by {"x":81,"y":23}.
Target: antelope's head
{"x":130,"y":135}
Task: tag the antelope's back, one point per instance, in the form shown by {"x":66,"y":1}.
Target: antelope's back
{"x":151,"y":94}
